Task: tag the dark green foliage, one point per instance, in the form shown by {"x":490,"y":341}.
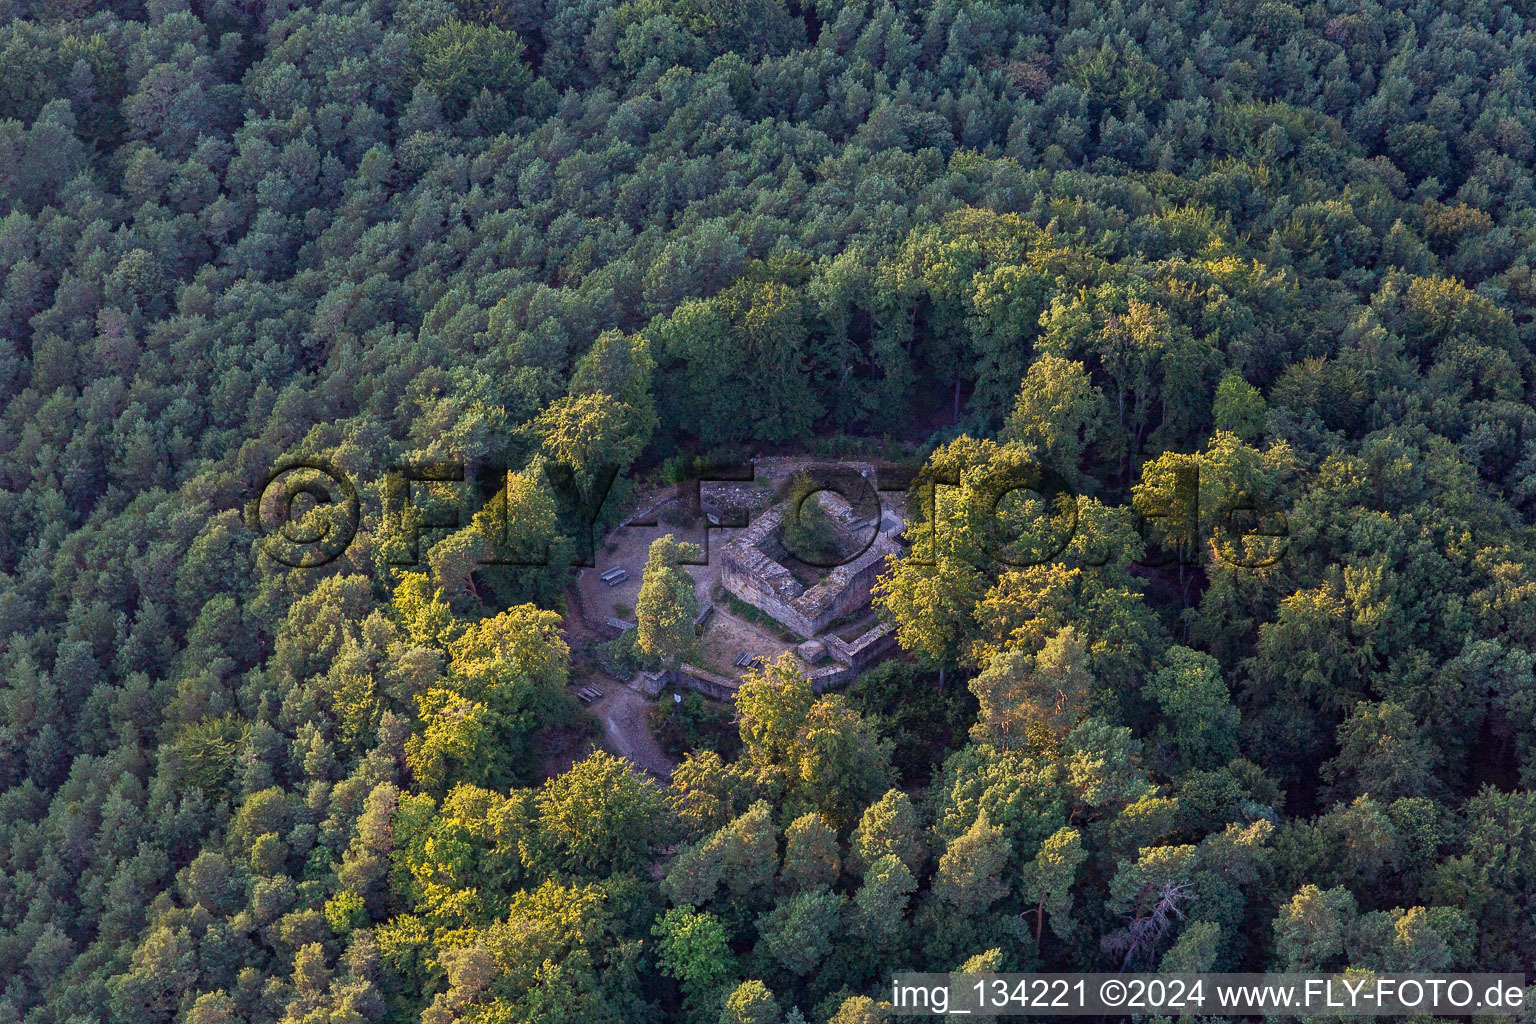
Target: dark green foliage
{"x":695,"y":723}
{"x":1286,"y":247}
{"x":462,"y":62}
{"x":809,"y":532}
{"x":924,"y":721}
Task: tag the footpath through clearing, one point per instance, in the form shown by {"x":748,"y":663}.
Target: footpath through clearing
{"x":625,"y":715}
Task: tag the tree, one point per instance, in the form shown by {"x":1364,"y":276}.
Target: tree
{"x":744,"y":854}
{"x":1057,"y":413}
{"x":797,"y":934}
{"x":772,"y":704}
{"x":507,"y":679}
{"x":452,"y":743}
{"x":520,"y":524}
{"x":1223,"y":498}
{"x":621,"y":367}
{"x":931,"y":605}
{"x":741,"y":358}
{"x":213,"y":1008}
{"x":975,"y":510}
{"x":1305,"y":671}
{"x":1104,"y":764}
{"x":1383,"y":752}
{"x":1048,"y":881}
{"x":692,"y":948}
{"x":705,"y":792}
{"x":891,"y":827}
{"x":1151,"y":893}
{"x":1195,"y":950}
{"x":1008,"y":301}
{"x":811,"y":854}
{"x":822,"y":752}
{"x":587,"y":432}
{"x":209,"y":881}
{"x":1311,"y":930}
{"x":880,"y":905}
{"x":750,"y":1003}
{"x":1417,"y":939}
{"x":603,"y":816}
{"x":970,"y":877}
{"x":841,"y":760}
{"x":1033,"y":701}
{"x":1239,"y":408}
{"x":861,"y":1010}
{"x":1129,"y":337}
{"x":668,"y":603}
{"x":520,"y":646}
{"x":694,"y":874}
{"x":460,"y":60}
{"x":810,"y":531}
{"x":163,"y":969}
{"x":931,"y":593}
{"x":1198,"y":719}
{"x":552,"y":954}
{"x":426,"y":618}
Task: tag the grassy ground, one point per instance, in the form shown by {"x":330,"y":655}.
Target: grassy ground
{"x":747,"y":612}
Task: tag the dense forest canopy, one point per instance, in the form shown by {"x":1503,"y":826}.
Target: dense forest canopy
{"x":1288,"y":246}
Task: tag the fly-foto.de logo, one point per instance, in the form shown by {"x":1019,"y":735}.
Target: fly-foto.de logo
{"x":307,"y":512}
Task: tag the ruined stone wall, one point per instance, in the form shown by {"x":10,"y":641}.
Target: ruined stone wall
{"x":695,"y":678}
{"x":846,"y":589}
{"x":748,"y":583}
{"x":749,"y":572}
{"x":864,"y":649}
{"x":823,"y":679}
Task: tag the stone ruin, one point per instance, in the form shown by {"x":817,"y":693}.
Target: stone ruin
{"x":752,"y":569}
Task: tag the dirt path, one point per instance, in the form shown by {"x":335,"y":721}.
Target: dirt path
{"x":624,"y":713}
{"x":625,"y":717}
